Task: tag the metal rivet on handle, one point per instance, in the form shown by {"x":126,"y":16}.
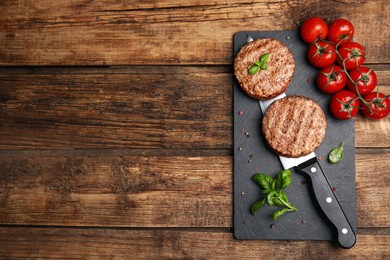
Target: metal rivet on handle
{"x":328,"y":199}
{"x":344,"y":231}
{"x":313,"y":169}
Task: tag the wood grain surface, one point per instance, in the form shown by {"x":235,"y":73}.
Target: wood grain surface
{"x":116,"y":128}
{"x":152,"y":191}
{"x":96,"y":243}
{"x":137,"y":107}
{"x":84,"y":32}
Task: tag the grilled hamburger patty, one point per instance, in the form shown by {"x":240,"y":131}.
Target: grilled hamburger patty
{"x":268,"y":83}
{"x":294,"y":126}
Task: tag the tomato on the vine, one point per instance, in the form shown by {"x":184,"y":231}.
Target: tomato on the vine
{"x":312,"y":29}
{"x":379,"y":105}
{"x":353,"y":54}
{"x":322,"y":54}
{"x":340,"y":31}
{"x":331,"y":79}
{"x":344,"y":105}
{"x":365,"y":79}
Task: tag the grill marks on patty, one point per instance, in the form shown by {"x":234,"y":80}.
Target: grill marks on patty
{"x":294,"y":126}
{"x":266,"y":83}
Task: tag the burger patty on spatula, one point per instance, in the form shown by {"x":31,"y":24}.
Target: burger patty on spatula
{"x":294,"y":126}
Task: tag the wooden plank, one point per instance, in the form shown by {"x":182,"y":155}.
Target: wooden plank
{"x":148,"y":191}
{"x":366,"y":128}
{"x":49,"y":32}
{"x":155,"y":107}
{"x":116,"y":191}
{"x":372,"y":189}
{"x":74,"y":243}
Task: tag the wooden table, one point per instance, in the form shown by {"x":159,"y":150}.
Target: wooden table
{"x":116,"y":128}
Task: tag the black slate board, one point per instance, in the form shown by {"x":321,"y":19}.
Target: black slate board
{"x":252,"y":156}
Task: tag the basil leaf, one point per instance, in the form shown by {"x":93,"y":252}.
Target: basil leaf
{"x":283,"y":180}
{"x":274,"y":197}
{"x":261,"y":64}
{"x":265,"y":191}
{"x":278,"y":202}
{"x":264,"y":58}
{"x":273,"y":184}
{"x":257,"y":205}
{"x":282,"y":196}
{"x":263,"y":180}
{"x":278,"y":213}
{"x":337,"y":154}
{"x":253,"y":69}
{"x":263,"y":67}
{"x":270,"y":198}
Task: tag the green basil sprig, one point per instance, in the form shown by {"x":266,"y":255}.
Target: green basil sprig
{"x":274,"y":196}
{"x":259,"y":65}
{"x":337,"y":154}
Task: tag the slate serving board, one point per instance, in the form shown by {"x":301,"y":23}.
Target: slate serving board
{"x":252,"y":156}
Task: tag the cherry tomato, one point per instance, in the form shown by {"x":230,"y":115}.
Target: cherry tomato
{"x":322,"y":54}
{"x":312,"y":29}
{"x":365,"y":79}
{"x":379,"y":104}
{"x":353,"y":54}
{"x":344,"y":105}
{"x":340,"y":32}
{"x":331,"y":79}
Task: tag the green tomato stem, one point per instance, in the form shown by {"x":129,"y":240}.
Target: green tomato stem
{"x":355,"y":83}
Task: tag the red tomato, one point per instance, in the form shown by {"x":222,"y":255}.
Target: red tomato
{"x":340,"y":31}
{"x":312,"y":29}
{"x":331,"y":79}
{"x":365,"y":79}
{"x":344,"y":105}
{"x":379,"y":104}
{"x":353,"y":54}
{"x":322,"y":54}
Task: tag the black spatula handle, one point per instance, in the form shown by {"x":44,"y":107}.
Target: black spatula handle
{"x":328,"y":203}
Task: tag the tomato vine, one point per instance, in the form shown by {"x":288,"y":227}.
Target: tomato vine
{"x":350,"y":56}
